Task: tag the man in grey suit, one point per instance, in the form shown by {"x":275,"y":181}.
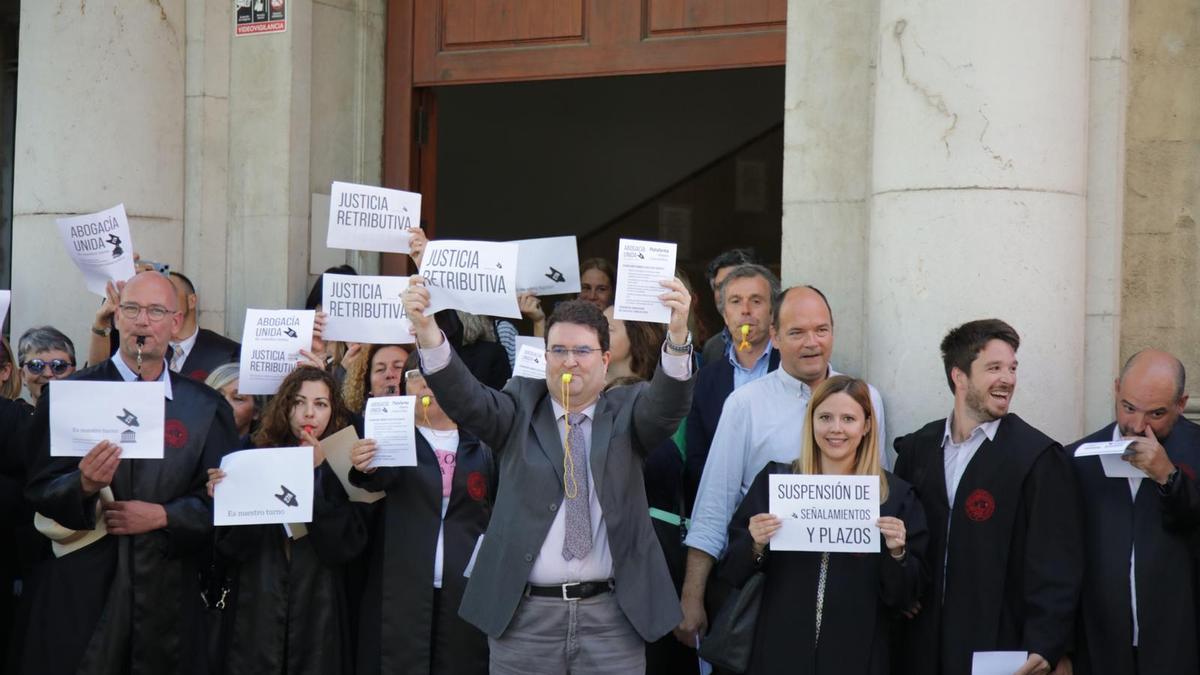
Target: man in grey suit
{"x":569,"y":577}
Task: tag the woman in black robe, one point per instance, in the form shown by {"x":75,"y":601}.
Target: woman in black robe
{"x":290,"y":613}
{"x":844,"y":625}
{"x":426,"y":532}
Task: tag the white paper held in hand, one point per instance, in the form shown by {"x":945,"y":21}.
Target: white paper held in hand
{"x":85,"y":412}
{"x":641,"y":267}
{"x":265,"y":486}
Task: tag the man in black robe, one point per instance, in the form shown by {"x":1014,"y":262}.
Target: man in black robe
{"x":1138,"y":610}
{"x":1005,"y":550}
{"x":130,"y":601}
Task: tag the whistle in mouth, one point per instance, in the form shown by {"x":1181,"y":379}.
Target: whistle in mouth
{"x":141,"y":340}
{"x":308,"y":429}
{"x":426,"y":400}
{"x":566,"y":378}
{"x":745,"y":344}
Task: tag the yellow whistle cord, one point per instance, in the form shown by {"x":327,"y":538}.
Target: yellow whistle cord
{"x":745,"y":344}
{"x":425,"y":400}
{"x":570,"y":485}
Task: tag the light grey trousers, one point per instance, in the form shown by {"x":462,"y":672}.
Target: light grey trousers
{"x":549,"y":636}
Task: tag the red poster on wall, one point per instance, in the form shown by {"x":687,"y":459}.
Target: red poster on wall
{"x":256,"y":17}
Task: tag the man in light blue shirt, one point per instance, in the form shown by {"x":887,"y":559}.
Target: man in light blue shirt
{"x":761,"y":422}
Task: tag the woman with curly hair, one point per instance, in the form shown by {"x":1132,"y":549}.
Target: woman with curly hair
{"x":374,"y":372}
{"x":291,"y":613}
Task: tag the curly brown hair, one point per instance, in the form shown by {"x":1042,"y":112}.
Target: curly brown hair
{"x":357,"y":387}
{"x":276,"y":428}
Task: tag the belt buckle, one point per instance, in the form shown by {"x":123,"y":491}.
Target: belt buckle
{"x":569,"y":585}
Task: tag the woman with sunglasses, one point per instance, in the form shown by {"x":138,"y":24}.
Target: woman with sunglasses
{"x":831,"y":612}
{"x":426,"y":532}
{"x":291,"y":612}
{"x":44,"y":354}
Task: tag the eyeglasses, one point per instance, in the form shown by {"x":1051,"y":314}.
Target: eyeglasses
{"x":38,"y":366}
{"x":580,"y":353}
{"x":153,"y":312}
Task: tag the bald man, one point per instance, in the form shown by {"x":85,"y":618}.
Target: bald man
{"x":1138,"y":611}
{"x":128,"y":601}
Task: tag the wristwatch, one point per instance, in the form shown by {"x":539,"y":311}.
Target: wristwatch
{"x":102,"y":332}
{"x":685,"y":348}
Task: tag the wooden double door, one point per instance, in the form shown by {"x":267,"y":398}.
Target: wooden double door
{"x":434,"y":43}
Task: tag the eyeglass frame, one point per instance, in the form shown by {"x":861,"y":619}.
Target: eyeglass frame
{"x":62,"y":364}
{"x":150,"y":310}
{"x":558,"y":353}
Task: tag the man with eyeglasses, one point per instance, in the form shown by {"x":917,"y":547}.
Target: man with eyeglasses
{"x":44,"y":354}
{"x":130,"y":596}
{"x":570,"y":576}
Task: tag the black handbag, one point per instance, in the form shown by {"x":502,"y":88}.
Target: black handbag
{"x":730,"y":638}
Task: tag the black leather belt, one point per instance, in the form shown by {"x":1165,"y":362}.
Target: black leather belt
{"x":573,"y":591}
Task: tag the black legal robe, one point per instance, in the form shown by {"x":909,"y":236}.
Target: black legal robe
{"x":1161,"y":529}
{"x":398,"y":617}
{"x":864,"y":592}
{"x":129,"y":604}
{"x":1014,"y":568}
{"x":290,"y":612}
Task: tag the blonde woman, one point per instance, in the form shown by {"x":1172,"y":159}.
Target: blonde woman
{"x":831,"y":612}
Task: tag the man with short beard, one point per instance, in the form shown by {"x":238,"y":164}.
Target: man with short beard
{"x":1005,"y":548}
{"x":1138,"y":611}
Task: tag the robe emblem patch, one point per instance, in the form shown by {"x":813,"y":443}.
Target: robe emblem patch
{"x":175,"y":434}
{"x":980,"y":505}
{"x":1186,"y":470}
{"x":476,"y":486}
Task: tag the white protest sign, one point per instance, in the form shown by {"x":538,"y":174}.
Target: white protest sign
{"x":390,"y":421}
{"x":85,"y":412}
{"x":548,"y":266}
{"x":5,"y":301}
{"x":265,"y":486}
{"x":475,"y":276}
{"x":271,"y":344}
{"x":100,"y":246}
{"x":641,"y":265}
{"x":825,"y":513}
{"x":530,"y":362}
{"x":365,"y":309}
{"x":997,"y":663}
{"x":1110,"y":453}
{"x":538,"y":343}
{"x":368,"y":218}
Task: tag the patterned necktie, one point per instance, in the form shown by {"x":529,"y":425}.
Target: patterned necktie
{"x":176,"y":357}
{"x":578,"y":540}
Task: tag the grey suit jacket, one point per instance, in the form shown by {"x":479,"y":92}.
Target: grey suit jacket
{"x":518,"y":423}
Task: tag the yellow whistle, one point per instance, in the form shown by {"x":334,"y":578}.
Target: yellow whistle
{"x":745,"y":344}
{"x":566,"y":378}
{"x":425,"y":401}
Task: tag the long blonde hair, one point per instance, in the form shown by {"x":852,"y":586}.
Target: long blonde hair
{"x":866,"y":462}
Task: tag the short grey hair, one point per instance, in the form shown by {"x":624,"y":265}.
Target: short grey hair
{"x":749,"y":271}
{"x":224,"y":375}
{"x":44,"y":339}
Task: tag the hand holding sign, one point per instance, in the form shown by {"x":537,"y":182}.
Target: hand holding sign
{"x":894,"y":536}
{"x":98,"y":466}
{"x":362,"y":453}
{"x":762,"y":527}
{"x":679,"y":301}
{"x":416,"y":304}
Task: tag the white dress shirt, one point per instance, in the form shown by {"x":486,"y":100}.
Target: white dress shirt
{"x":958,"y":455}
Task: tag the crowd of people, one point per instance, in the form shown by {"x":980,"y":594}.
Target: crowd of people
{"x":597,"y":520}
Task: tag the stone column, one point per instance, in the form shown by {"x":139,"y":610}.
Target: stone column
{"x":826,"y":157}
{"x":100,"y":111}
{"x":978,"y":199}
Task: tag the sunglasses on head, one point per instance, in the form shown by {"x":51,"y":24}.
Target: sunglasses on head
{"x":38,"y":366}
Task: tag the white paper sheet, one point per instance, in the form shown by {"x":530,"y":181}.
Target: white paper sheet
{"x":265,"y":486}
{"x":538,"y":343}
{"x":475,"y":276}
{"x":271,"y":344}
{"x":825,"y":513}
{"x":1110,"y":453}
{"x":548,"y":266}
{"x":1102,"y":448}
{"x":530,"y":362}
{"x":365,"y":309}
{"x":641,"y":265}
{"x":390,"y":422}
{"x":85,"y":412}
{"x":100,"y":245}
{"x":369,"y":218}
{"x":997,"y":663}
